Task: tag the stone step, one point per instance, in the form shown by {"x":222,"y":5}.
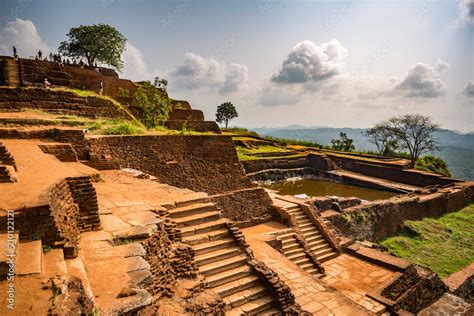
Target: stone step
{"x":307,"y":225}
{"x":321,"y":252}
{"x":195,"y":200}
{"x":292,"y":251}
{"x":236,"y":285}
{"x":216,"y":255}
{"x":308,"y":229}
{"x":75,"y":268}
{"x":254,"y":307}
{"x":307,"y":266}
{"x":228,"y":276}
{"x":191,"y":209}
{"x":328,"y":256}
{"x":320,"y":246}
{"x":245,"y":296}
{"x":291,"y":246}
{"x":317,"y":242}
{"x":312,"y":235}
{"x":303,"y":221}
{"x":298,"y":217}
{"x":54,"y":262}
{"x":296,"y":256}
{"x":287,"y":236}
{"x":272,"y":312}
{"x":223,"y":265}
{"x":203,"y":228}
{"x":197,"y":218}
{"x":206,"y":237}
{"x":303,"y":260}
{"x":212,"y":245}
{"x":292,"y":207}
{"x":29,"y":258}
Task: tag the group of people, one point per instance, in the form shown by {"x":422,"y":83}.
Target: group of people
{"x":57,"y":58}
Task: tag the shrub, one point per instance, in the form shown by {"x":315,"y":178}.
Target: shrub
{"x":433,"y":164}
{"x":125,"y":128}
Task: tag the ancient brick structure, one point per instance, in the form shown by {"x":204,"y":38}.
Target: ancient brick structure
{"x":84,"y":195}
{"x":64,"y":152}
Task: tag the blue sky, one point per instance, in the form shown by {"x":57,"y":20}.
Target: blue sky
{"x":325,"y":63}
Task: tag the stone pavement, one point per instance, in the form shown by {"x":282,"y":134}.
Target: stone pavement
{"x":313,"y":294}
{"x":355,"y":278}
{"x":448,"y":305}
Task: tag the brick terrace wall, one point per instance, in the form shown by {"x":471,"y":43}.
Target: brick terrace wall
{"x":59,"y":102}
{"x":246,"y":207}
{"x":280,"y":163}
{"x":64,"y":152}
{"x":392,"y":172}
{"x":35,"y":222}
{"x":84,"y":194}
{"x":87,"y":78}
{"x":66,"y":214}
{"x":186,"y":115}
{"x":198,"y":126}
{"x":383,"y":218}
{"x":200,"y":163}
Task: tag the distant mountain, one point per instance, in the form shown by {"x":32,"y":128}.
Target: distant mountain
{"x":457,"y":149}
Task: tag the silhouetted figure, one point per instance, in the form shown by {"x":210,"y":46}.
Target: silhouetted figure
{"x":15,"y":53}
{"x":51,"y":57}
{"x":101,"y":87}
{"x":47,"y":84}
{"x":40,"y":54}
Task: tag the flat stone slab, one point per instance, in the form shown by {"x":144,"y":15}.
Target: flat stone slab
{"x":54,"y":262}
{"x":141,"y":219}
{"x":139,"y":278}
{"x":136,"y":263}
{"x":29,"y":258}
{"x":384,"y":259}
{"x":448,"y":304}
{"x":135,"y":232}
{"x":112,"y":223}
{"x":130,"y":304}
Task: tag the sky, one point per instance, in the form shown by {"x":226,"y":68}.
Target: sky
{"x":281,"y":62}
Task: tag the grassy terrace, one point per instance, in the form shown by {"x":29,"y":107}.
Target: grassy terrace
{"x":445,"y":245}
{"x":247,"y":154}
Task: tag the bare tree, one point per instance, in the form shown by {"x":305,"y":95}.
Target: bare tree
{"x":415,"y":133}
{"x":383,"y":138}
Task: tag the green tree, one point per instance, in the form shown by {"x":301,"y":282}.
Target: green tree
{"x":415,"y":133}
{"x":98,"y":43}
{"x":155,"y":104}
{"x":225,"y":112}
{"x":343,"y":143}
{"x":433,"y":164}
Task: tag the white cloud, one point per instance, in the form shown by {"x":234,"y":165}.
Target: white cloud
{"x":24,"y":36}
{"x":197,"y":72}
{"x":308,"y":62}
{"x":423,"y":81}
{"x":466,"y":11}
{"x":135,"y":67}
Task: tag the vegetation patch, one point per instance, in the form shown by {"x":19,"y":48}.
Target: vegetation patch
{"x":445,"y":245}
{"x":247,"y":153}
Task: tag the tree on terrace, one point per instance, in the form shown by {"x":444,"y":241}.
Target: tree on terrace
{"x":382,"y":136}
{"x":225,"y":112}
{"x":98,"y":43}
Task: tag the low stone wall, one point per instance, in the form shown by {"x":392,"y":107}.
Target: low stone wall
{"x":417,"y":288}
{"x":383,"y":218}
{"x":197,"y":126}
{"x":392,"y":172}
{"x":461,"y":283}
{"x":186,"y":115}
{"x":251,"y":166}
{"x":66,"y":214}
{"x":64,"y":152}
{"x":85,"y":196}
{"x":59,"y":102}
{"x":246,"y":207}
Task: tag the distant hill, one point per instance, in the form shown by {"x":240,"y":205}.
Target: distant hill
{"x":457,"y":149}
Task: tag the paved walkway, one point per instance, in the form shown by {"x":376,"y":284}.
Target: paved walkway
{"x":355,"y":278}
{"x":313,"y":294}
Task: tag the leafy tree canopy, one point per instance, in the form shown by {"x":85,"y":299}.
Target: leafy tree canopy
{"x":98,"y":43}
{"x":155,"y":104}
{"x":343,"y":143}
{"x":225,"y":112}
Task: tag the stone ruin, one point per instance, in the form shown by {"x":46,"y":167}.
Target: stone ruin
{"x":177,"y":225}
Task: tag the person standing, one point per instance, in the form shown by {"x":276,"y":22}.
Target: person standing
{"x":15,"y":53}
{"x":47,"y":84}
{"x":101,"y":87}
{"x":40,"y":55}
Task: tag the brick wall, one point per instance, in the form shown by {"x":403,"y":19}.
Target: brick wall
{"x":59,"y":102}
{"x":64,"y":152}
{"x":84,"y":195}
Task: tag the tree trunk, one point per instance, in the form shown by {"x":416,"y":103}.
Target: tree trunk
{"x":226,"y":123}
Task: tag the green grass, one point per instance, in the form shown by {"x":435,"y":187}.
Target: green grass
{"x":445,"y":245}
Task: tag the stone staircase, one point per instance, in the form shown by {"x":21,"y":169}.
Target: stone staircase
{"x":316,"y":241}
{"x":221,"y":261}
{"x":293,"y":250}
{"x":330,"y":163}
{"x":12,"y":72}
